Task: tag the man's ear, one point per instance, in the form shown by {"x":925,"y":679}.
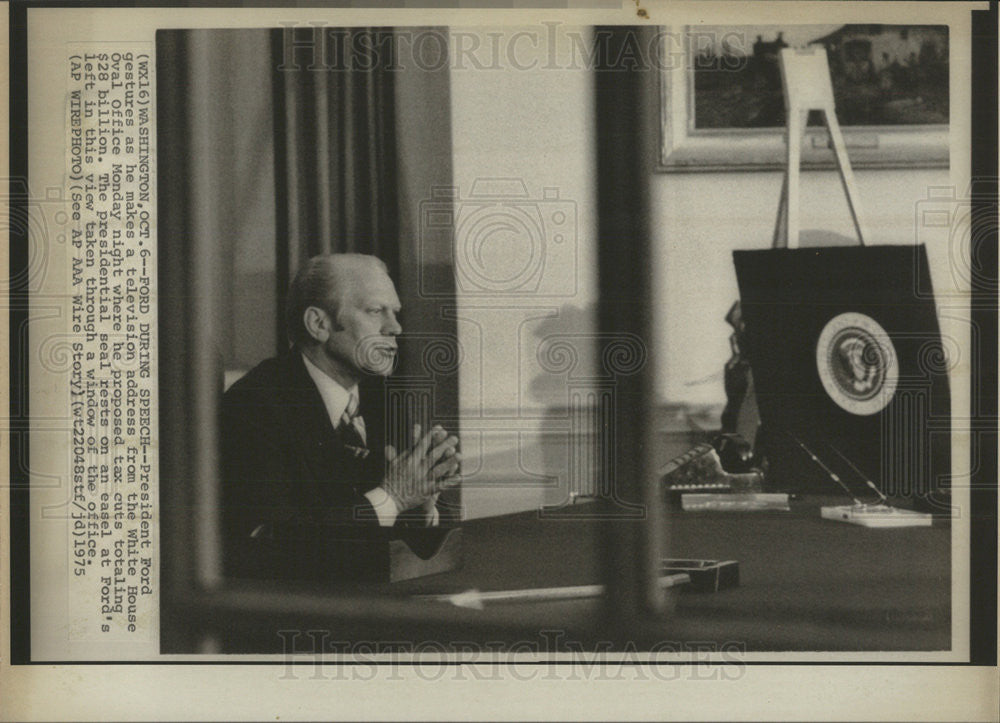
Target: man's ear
{"x":317,"y":323}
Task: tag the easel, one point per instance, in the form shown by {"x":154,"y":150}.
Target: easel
{"x":805,"y":75}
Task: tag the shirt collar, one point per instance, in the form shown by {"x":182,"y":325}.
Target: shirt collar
{"x":334,"y":396}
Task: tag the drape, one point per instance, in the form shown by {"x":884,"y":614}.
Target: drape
{"x":262,"y":163}
{"x":334,"y":146}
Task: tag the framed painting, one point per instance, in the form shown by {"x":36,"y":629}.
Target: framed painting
{"x":722,"y":106}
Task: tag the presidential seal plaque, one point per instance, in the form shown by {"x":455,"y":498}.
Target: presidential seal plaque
{"x":857,"y":363}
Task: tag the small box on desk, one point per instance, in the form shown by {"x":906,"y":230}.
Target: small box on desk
{"x":876,"y":516}
{"x":354,"y":553}
{"x":706,"y":575}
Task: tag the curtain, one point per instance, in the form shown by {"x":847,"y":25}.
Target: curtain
{"x":262,"y":163}
{"x":336,"y":185}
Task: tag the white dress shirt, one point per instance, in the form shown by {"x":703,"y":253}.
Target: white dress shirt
{"x":335,"y":399}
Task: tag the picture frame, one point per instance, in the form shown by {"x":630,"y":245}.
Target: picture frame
{"x":892,"y":136}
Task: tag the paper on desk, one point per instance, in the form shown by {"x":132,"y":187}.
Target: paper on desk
{"x":735,"y":502}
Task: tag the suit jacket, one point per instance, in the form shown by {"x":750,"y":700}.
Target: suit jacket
{"x":285,"y":467}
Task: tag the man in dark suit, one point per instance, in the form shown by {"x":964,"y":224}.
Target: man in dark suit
{"x":304,"y":436}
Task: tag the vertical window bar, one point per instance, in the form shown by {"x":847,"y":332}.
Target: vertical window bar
{"x":635,"y":520}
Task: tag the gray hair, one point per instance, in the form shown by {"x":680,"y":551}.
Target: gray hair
{"x":321,"y":282}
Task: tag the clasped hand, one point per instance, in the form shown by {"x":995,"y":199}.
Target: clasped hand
{"x":416,"y":476}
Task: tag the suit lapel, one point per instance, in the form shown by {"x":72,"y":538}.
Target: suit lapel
{"x":307,"y":419}
{"x":372,"y":392}
{"x":324,"y":452}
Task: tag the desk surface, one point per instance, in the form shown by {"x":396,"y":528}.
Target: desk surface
{"x":805,"y":583}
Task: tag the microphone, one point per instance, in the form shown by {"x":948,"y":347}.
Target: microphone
{"x":874,"y":515}
{"x":860,"y":474}
{"x":829,"y":472}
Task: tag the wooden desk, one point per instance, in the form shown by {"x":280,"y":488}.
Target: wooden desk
{"x":807,"y":584}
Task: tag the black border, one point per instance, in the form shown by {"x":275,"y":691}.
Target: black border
{"x":983,"y":497}
{"x":983,"y":556}
{"x":20,"y":559}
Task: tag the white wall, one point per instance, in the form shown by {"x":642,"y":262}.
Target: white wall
{"x":534,"y":127}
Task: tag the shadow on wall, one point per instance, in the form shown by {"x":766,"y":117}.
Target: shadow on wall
{"x":565,"y":379}
{"x":578,"y":376}
{"x":569,"y":412}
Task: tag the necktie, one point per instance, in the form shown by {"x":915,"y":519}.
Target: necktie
{"x":353,"y":425}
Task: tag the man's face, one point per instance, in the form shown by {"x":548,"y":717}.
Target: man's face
{"x":364,"y":337}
